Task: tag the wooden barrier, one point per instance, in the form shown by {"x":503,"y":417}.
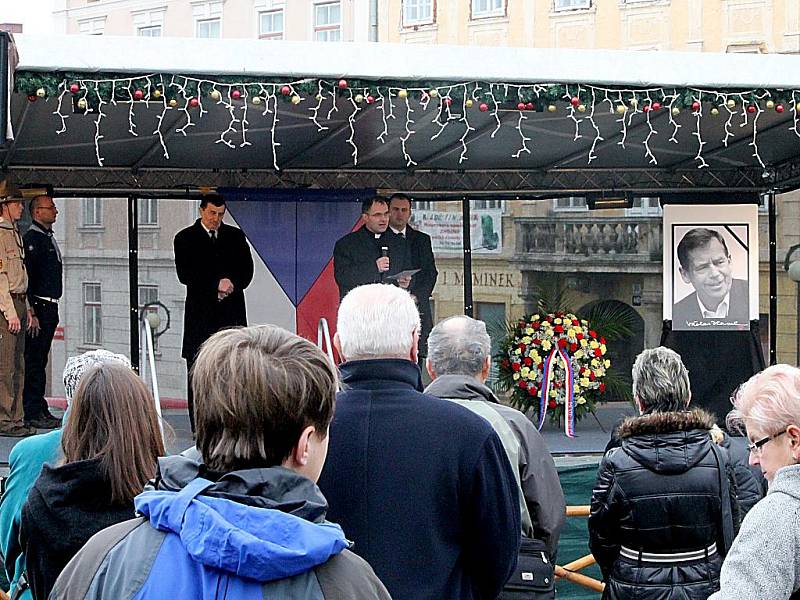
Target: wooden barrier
{"x":569,"y":571}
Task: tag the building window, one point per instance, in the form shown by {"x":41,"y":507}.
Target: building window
{"x":148,"y":211}
{"x":92,"y":26}
{"x":488,"y":8}
{"x":92,"y":212}
{"x":152,"y":31}
{"x":270,"y":25}
{"x":644,"y":206}
{"x":208,"y":28}
{"x":417,"y":12}
{"x":494,"y":315}
{"x":147,"y":294}
{"x":571,"y":4}
{"x":573,"y":203}
{"x":487,"y":204}
{"x":328,"y":22}
{"x":92,"y":314}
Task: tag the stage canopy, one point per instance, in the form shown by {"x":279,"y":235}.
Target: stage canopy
{"x":99,"y":114}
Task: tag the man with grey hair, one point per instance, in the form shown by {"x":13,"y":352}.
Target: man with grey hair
{"x":26,"y":460}
{"x":663,"y":507}
{"x":422,"y":486}
{"x":459,"y":360}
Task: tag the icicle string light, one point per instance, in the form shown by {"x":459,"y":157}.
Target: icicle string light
{"x":452,"y":102}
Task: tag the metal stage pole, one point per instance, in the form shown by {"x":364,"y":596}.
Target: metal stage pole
{"x":133,"y":276}
{"x":466,"y":242}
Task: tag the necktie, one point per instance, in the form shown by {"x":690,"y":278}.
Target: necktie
{"x":213,"y":234}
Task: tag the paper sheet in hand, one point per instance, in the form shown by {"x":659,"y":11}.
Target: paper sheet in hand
{"x":407,"y":273}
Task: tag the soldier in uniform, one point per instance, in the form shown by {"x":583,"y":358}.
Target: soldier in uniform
{"x":15,"y":314}
{"x":43,"y":264}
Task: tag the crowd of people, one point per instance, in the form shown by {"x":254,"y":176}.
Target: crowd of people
{"x":312,"y":481}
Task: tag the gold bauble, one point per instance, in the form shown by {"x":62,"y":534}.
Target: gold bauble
{"x":402,"y":93}
{"x":295,"y":99}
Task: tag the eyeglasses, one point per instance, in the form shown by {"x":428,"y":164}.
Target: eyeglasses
{"x":755,"y":447}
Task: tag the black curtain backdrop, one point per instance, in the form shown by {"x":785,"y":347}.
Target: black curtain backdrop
{"x":718,"y":362}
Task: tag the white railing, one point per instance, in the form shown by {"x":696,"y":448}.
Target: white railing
{"x":147,"y":369}
{"x":324,"y":338}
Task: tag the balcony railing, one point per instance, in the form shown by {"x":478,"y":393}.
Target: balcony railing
{"x":588,"y":239}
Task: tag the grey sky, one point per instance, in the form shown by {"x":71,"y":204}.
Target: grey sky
{"x":36,"y":16}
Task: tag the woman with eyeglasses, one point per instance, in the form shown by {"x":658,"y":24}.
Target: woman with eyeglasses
{"x":764,"y":561}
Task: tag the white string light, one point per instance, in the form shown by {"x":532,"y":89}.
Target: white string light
{"x":189,"y":94}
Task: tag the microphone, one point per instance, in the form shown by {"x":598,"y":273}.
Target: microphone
{"x":384,"y":254}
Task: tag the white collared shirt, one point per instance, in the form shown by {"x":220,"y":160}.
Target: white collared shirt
{"x":722,"y":309}
{"x":399,"y":232}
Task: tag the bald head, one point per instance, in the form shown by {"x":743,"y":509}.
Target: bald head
{"x":459,"y":346}
{"x":43,"y":210}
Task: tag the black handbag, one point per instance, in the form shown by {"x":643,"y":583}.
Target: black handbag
{"x":534,"y":577}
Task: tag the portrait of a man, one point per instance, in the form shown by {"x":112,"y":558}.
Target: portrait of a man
{"x":718,"y":298}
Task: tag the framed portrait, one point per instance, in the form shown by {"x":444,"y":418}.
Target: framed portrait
{"x":710,"y":266}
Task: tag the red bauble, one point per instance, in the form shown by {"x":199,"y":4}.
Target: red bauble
{"x":32,"y":98}
{"x":779,"y":108}
{"x":194,"y":102}
{"x":751,"y":108}
{"x":138,"y":94}
{"x":74,"y":88}
{"x":646,"y":108}
{"x":370,"y":99}
{"x":342,"y":84}
{"x":575,"y":101}
{"x":530,"y":106}
{"x":286,"y":90}
{"x":656,"y":105}
{"x":521,"y":106}
{"x":695,"y":105}
{"x":236,"y":94}
{"x":447,"y":101}
{"x":483,"y":107}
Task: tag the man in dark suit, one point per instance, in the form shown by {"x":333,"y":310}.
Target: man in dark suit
{"x":420,"y":257}
{"x":214,"y":262}
{"x":372,"y":253}
{"x":705,"y":263}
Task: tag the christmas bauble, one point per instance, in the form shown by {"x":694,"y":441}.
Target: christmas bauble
{"x":676,"y":111}
{"x":483,"y":107}
{"x":695,"y":105}
{"x":730,"y":103}
{"x":575,"y":101}
{"x":194,"y":102}
{"x":41,"y":93}
{"x":402,"y":93}
{"x":138,"y":94}
{"x":236,"y":94}
{"x":621,"y":109}
{"x":295,"y":99}
{"x":286,"y":90}
{"x":715,"y":111}
{"x":469,"y":103}
{"x":552,"y":108}
{"x":215,"y":95}
{"x":342,"y":84}
{"x":656,"y":105}
{"x":82,"y":103}
{"x":359,"y":98}
{"x":770,"y":104}
{"x":74,"y":88}
{"x":520,"y":106}
{"x":256,"y":100}
{"x":433,"y":93}
{"x":779,"y":108}
{"x":751,"y":108}
{"x":370,"y":99}
{"x":173,"y":103}
{"x":581,"y":108}
{"x":157,"y":94}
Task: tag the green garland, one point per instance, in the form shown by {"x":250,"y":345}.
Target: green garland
{"x":102,"y":86}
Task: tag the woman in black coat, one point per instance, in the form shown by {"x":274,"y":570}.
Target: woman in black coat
{"x":662,"y":516}
{"x":111,"y":443}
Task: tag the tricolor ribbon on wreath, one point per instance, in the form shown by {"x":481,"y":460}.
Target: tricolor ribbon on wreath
{"x":548,"y":381}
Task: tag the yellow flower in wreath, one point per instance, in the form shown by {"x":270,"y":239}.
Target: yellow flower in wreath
{"x":594,"y":344}
{"x":546,"y":345}
{"x":516,"y":376}
{"x":578,"y":354}
{"x":553,"y":393}
{"x":581,"y":400}
{"x":525,"y":371}
{"x":607,"y":363}
{"x":584,"y":381}
{"x":529,"y":330}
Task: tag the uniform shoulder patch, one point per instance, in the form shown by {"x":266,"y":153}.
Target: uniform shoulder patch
{"x":30,"y":247}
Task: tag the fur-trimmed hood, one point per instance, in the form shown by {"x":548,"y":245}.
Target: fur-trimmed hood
{"x":671,"y":442}
{"x":666,"y":422}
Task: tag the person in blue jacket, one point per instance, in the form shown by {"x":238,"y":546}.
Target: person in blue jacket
{"x":248,"y":521}
{"x":422,"y":485}
{"x":25,"y":463}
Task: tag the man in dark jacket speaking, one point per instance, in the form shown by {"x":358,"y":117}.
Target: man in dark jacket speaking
{"x":214,"y":262}
{"x":422,"y":486}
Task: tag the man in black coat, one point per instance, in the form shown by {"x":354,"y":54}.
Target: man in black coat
{"x":44,"y":265}
{"x":371,"y":253}
{"x":422,"y":486}
{"x":420,"y":257}
{"x":214,"y":262}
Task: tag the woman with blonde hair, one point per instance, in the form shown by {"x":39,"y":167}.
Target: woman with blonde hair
{"x":764,"y":561}
{"x":110,"y":444}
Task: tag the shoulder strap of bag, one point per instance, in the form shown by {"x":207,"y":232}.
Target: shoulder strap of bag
{"x":725,"y":504}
